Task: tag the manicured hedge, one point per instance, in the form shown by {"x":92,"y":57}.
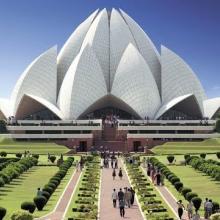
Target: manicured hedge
{"x":15,"y":169}
{"x":209,"y":167}
{"x":53,"y":183}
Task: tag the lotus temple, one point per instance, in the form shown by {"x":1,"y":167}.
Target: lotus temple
{"x":109,"y":87}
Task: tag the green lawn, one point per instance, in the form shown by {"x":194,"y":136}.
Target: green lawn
{"x":206,"y":146}
{"x":24,"y":188}
{"x":11,"y":146}
{"x":200,"y":183}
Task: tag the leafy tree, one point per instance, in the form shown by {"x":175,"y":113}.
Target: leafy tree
{"x":170,"y":158}
{"x":197,"y":203}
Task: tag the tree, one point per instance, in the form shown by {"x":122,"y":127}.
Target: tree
{"x":218,"y":155}
{"x":52,"y":158}
{"x":170,"y":158}
{"x":197,"y":203}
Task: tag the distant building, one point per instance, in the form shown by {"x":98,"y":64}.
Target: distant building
{"x":108,"y":66}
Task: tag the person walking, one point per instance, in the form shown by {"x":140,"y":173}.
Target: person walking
{"x":209,"y":207}
{"x":132,"y":195}
{"x":205,"y":208}
{"x":116,"y":163}
{"x":122,"y":207}
{"x":112,"y":163}
{"x":128,"y":196}
{"x":180,"y":208}
{"x":120,"y":195}
{"x":114,"y":197}
{"x":190,"y":209}
{"x":158,"y":178}
{"x":113,"y":174}
{"x":120,"y":174}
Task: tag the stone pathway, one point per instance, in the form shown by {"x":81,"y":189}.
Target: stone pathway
{"x":62,"y":205}
{"x":169,"y":198}
{"x":107,"y":212}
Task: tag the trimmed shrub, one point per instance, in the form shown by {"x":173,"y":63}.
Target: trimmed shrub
{"x":2,"y":182}
{"x":218,"y":155}
{"x":185,"y":190}
{"x":186,"y":156}
{"x":18,"y":155}
{"x":36,"y":156}
{"x":170,"y":158}
{"x":215,"y":207}
{"x":174,"y":179}
{"x":22,"y":215}
{"x":3,"y":154}
{"x":28,"y":206}
{"x":46,"y":194}
{"x":52,"y":158}
{"x":2,"y":212}
{"x":48,"y":189}
{"x":178,"y":186}
{"x":203,"y":156}
{"x":190,"y":195}
{"x":197,"y":203}
{"x":51,"y":185}
{"x":55,"y":182}
{"x":40,"y":202}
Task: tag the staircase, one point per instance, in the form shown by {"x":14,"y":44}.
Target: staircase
{"x":110,"y":140}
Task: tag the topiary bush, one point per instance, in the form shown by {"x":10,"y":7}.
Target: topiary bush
{"x":203,"y":155}
{"x":52,"y":158}
{"x":218,"y":155}
{"x":18,"y":155}
{"x":178,"y":186}
{"x":28,"y":206}
{"x":22,"y":215}
{"x":40,"y":202}
{"x":2,"y":182}
{"x":3,"y":212}
{"x":35,"y":156}
{"x":190,"y":195}
{"x":186,"y":156}
{"x":3,"y":154}
{"x":197,"y":203}
{"x":170,"y":158}
{"x":185,"y":190}
{"x":48,"y":189}
{"x":174,"y":179}
{"x":215,"y":207}
{"x":46,"y":195}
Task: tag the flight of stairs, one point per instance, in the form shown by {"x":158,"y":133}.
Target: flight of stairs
{"x":110,"y":140}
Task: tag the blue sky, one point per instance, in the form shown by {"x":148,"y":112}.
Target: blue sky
{"x":191,"y":28}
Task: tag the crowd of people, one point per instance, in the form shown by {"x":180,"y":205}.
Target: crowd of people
{"x":124,"y":198}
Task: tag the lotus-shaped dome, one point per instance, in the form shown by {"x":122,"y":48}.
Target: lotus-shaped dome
{"x":108,"y":61}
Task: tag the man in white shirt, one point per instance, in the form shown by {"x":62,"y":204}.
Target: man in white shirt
{"x":114,"y":197}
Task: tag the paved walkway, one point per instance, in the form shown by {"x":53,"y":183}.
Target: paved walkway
{"x":169,"y":198}
{"x":107,"y":212}
{"x":62,"y":205}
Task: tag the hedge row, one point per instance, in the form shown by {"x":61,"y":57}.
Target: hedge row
{"x":177,"y":183}
{"x":185,"y":191}
{"x":40,"y":201}
{"x":7,"y":161}
{"x":209,"y":167}
{"x":150,"y":205}
{"x":86,"y":203}
{"x":15,"y":169}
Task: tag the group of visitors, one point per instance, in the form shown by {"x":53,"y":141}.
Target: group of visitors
{"x":111,"y":120}
{"x":124,"y":197}
{"x":156,"y":176}
{"x":208,"y":210}
{"x":120,"y":174}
